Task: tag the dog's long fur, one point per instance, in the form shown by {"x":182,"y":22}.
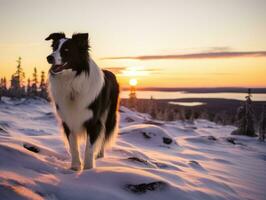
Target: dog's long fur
{"x":85,"y":97}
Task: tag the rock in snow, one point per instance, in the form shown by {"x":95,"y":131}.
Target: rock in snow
{"x":144,"y":187}
{"x":150,"y":160}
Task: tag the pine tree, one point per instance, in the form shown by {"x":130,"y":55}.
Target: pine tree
{"x":180,"y":115}
{"x":42,"y":83}
{"x":34,"y":82}
{"x":154,"y":112}
{"x":188,"y":114}
{"x":19,"y":72}
{"x":171,"y":115}
{"x":5,"y":90}
{"x":35,"y":76}
{"x":245,"y":118}
{"x":4,"y":83}
{"x":43,"y":87}
{"x":28,"y":87}
{"x":17,"y":88}
{"x":196,"y":114}
{"x":1,"y":88}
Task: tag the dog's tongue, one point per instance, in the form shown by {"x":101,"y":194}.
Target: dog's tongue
{"x":57,"y":68}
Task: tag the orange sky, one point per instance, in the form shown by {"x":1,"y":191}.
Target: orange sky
{"x":171,"y":43}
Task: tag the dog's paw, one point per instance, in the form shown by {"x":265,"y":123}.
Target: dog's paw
{"x":89,"y":163}
{"x":88,"y":166}
{"x":75,"y":167}
{"x":100,"y":155}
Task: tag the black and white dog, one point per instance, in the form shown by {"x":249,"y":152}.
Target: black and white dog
{"x":85,"y":97}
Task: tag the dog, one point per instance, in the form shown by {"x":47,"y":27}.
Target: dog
{"x":86,"y":97}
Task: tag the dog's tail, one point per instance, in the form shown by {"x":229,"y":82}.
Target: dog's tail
{"x":112,"y":117}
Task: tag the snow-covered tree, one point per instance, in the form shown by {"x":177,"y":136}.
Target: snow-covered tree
{"x":245,"y":118}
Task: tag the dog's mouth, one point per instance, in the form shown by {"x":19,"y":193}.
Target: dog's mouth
{"x":56,"y":69}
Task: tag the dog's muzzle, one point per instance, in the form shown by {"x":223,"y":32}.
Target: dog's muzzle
{"x":56,"y":69}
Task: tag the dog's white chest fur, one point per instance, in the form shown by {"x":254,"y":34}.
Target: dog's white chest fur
{"x":73,"y":94}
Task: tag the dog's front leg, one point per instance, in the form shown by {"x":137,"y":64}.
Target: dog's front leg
{"x":74,"y":150}
{"x":94,"y":129}
{"x":89,"y":155}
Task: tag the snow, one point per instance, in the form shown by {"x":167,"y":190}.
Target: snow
{"x":150,"y":160}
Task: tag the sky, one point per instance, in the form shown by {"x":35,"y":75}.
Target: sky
{"x":161,"y":43}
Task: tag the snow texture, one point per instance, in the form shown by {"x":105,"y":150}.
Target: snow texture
{"x":150,"y":160}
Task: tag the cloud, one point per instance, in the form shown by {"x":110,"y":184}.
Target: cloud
{"x":201,"y":55}
{"x":219,"y":49}
{"x":133,"y":71}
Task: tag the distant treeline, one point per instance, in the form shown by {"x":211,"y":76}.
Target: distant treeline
{"x":162,"y":110}
{"x":18,"y":89}
{"x":221,"y":111}
{"x":205,"y":90}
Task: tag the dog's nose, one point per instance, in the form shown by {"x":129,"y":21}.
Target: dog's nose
{"x":50,"y":59}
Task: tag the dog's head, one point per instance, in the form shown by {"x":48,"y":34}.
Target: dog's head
{"x":68,"y":53}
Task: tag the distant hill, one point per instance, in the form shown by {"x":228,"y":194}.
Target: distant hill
{"x":205,"y":90}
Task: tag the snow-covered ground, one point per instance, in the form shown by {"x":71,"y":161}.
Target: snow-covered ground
{"x":150,"y":160}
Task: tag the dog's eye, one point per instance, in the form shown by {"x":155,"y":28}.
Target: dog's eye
{"x":66,"y":50}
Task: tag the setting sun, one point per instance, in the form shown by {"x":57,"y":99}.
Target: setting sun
{"x":133,"y":82}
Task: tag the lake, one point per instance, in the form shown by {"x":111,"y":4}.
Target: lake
{"x":182,"y":95}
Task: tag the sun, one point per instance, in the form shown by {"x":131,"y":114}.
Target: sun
{"x":133,"y":82}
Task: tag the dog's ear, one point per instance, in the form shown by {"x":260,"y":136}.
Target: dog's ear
{"x":82,"y":39}
{"x":55,"y":36}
